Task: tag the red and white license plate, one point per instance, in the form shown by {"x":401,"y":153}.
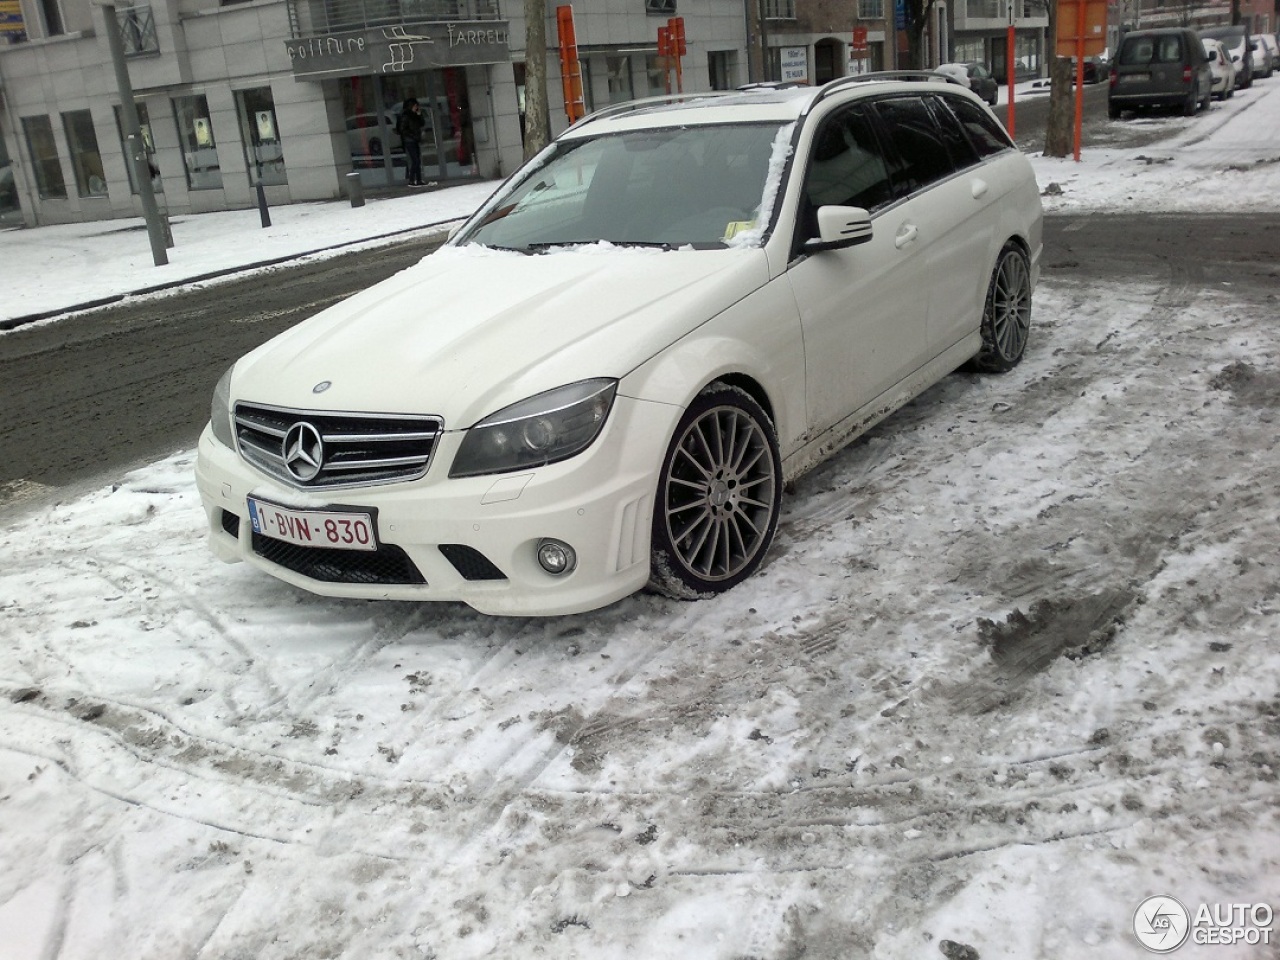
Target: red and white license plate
{"x":337,"y":530}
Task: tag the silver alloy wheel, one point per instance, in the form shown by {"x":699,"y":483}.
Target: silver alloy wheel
{"x":1006,"y":312}
{"x":721,"y":496}
{"x":1010,"y":305}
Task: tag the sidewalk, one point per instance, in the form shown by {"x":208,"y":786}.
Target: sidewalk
{"x":50,"y":271}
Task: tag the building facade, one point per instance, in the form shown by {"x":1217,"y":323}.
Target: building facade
{"x":296,"y":96}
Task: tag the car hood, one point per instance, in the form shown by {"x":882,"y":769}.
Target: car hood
{"x":469,"y":330}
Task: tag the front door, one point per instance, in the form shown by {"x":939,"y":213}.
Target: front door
{"x":862,"y":309}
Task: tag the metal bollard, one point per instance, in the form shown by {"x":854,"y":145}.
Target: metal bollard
{"x":355,"y":189}
{"x":263,"y":213}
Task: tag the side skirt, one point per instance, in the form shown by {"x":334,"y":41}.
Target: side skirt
{"x":818,"y":449}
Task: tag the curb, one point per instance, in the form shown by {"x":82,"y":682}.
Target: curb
{"x":12,"y":323}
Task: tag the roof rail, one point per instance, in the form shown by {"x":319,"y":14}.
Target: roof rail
{"x":772,"y":85}
{"x":630,"y":106}
{"x":921,"y":75}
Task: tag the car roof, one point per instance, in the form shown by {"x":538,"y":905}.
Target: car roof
{"x":758,"y":103}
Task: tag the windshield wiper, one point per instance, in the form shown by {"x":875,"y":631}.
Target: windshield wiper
{"x":551,"y":244}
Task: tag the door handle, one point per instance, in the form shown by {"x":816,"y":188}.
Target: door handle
{"x":979,"y":189}
{"x":907,"y":233}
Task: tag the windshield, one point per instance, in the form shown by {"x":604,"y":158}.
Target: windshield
{"x":702,"y":186}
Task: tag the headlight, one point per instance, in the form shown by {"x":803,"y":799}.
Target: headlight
{"x":551,"y":426}
{"x":220,"y":411}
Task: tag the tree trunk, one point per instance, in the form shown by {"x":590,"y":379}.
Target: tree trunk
{"x":1058,"y":131}
{"x":537,"y":114}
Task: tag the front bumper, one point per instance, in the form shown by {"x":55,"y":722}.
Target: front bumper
{"x":599,"y":502}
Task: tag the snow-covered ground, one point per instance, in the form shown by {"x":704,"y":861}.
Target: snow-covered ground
{"x":1010,"y":670}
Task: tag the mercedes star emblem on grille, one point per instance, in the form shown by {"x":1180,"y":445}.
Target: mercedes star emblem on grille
{"x":303,"y":451}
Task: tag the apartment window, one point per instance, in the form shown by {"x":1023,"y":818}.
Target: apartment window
{"x":260,"y":135}
{"x":144,"y":124}
{"x":44,"y":158}
{"x":86,"y":161}
{"x":199,"y":149}
{"x":51,"y":13}
{"x":870,"y":9}
{"x":780,"y":9}
{"x":660,"y":8}
{"x":137,"y":30}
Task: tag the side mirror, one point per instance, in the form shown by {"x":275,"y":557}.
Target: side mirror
{"x":840,"y":227}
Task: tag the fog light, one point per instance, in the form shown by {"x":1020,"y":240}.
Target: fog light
{"x":556,"y":558}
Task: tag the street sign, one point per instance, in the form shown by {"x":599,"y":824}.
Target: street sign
{"x":860,"y":39}
{"x":1069,"y":31}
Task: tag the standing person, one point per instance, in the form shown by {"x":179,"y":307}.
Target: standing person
{"x":410,"y":126}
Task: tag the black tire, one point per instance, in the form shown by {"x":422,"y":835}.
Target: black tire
{"x":1113,"y":111}
{"x":718,"y":496}
{"x":1206,"y":101}
{"x":1191,"y":105}
{"x":1006,"y":316}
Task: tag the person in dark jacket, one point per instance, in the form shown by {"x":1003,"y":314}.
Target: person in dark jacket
{"x":410,"y":125}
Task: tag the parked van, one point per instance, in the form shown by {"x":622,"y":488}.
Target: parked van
{"x":1239,"y":44}
{"x":1160,"y":68}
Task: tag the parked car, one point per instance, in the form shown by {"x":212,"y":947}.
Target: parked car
{"x":1160,"y":68}
{"x":1266,"y":44}
{"x":1238,"y":43}
{"x":607,"y":377}
{"x":1095,"y":68}
{"x":1224,"y":71}
{"x":975,"y":76}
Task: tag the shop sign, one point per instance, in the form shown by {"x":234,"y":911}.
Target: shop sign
{"x":400,"y":48}
{"x":795,"y":64}
{"x":11,"y":17}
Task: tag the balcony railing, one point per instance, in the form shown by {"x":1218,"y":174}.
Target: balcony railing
{"x":312,"y":17}
{"x":138,"y":30}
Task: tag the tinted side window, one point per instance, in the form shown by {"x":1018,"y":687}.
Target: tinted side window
{"x":984,"y":130}
{"x":847,"y":166}
{"x":958,"y":145}
{"x":921,"y":151}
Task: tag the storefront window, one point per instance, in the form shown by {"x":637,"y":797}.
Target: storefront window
{"x":44,"y":158}
{"x":620,"y":90}
{"x":144,"y":123}
{"x":82,"y":140}
{"x":8,"y":185}
{"x":261,"y":136}
{"x":199,"y":149}
{"x":448,"y":141}
{"x":657,"y":76}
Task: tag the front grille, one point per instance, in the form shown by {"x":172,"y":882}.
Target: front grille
{"x":388,"y":565}
{"x":470,"y":563}
{"x":356,"y":449}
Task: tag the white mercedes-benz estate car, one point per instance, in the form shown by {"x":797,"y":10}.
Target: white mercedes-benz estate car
{"x":604,"y":379}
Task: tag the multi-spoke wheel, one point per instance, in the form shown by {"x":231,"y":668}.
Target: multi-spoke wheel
{"x":718,"y":496}
{"x":1006,"y":320}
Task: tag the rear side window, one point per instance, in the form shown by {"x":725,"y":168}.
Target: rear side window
{"x":984,"y":130}
{"x":918,"y":142}
{"x":958,"y":145}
